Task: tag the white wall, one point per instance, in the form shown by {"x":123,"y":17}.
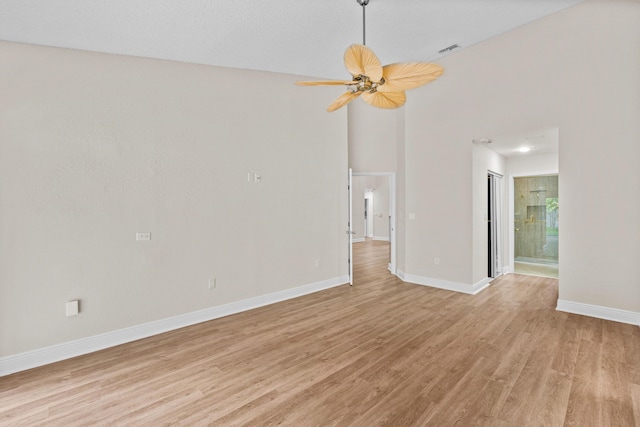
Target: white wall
{"x":576,"y":70}
{"x":380,"y":212}
{"x":94,"y":148}
{"x":530,"y":165}
{"x":368,"y":195}
{"x":373,"y":137}
{"x":438,"y":182}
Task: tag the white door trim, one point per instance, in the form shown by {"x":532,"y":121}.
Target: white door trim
{"x":350,"y":225}
{"x":495,"y":209}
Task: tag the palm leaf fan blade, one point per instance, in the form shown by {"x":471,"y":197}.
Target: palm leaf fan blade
{"x":343,"y":100}
{"x":360,"y":60}
{"x":386,"y":99}
{"x":325,"y":83}
{"x":410,"y":75}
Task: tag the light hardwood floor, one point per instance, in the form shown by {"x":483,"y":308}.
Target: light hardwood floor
{"x":382,"y":352}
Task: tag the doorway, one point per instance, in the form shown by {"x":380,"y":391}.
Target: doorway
{"x":368,"y":218}
{"x":494,"y":224}
{"x":373,"y":215}
{"x":536,"y":225}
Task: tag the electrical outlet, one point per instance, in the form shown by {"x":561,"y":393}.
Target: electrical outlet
{"x":212,"y":283}
{"x":143,"y":236}
{"x":317,"y":263}
{"x":436,"y":261}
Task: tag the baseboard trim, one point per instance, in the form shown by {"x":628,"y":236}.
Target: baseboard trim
{"x":481,"y":285}
{"x":384,"y":239}
{"x":597,"y":311}
{"x":67,"y":350}
{"x":358,"y":239}
{"x":445,"y":284}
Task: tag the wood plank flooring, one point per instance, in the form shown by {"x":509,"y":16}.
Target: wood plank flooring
{"x":382,"y":352}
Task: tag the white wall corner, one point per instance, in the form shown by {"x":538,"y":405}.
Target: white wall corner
{"x":67,"y":350}
{"x":445,"y":284}
{"x":599,"y":312}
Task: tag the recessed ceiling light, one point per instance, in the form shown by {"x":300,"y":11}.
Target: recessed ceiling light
{"x":524,"y":149}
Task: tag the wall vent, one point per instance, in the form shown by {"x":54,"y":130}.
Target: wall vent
{"x":449,"y":48}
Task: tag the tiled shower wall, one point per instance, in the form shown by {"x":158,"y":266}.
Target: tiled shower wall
{"x":530,"y":218}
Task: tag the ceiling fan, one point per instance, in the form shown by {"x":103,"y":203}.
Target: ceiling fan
{"x":382,"y":87}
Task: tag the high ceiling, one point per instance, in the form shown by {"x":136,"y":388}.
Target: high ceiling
{"x":301,"y":37}
{"x":541,"y":141}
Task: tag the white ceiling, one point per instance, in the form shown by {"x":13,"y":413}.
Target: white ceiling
{"x":303,"y":37}
{"x":543,"y":141}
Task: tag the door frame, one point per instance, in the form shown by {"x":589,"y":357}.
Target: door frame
{"x":366,"y":216}
{"x":512,"y":201}
{"x":495,"y":222}
{"x":392,"y":215}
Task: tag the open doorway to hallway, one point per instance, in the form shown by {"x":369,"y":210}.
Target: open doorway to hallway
{"x":373,"y":222}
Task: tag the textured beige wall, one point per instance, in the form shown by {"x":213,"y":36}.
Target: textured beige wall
{"x":380,"y":212}
{"x":94,"y":148}
{"x":373,"y":138}
{"x":576,"y":70}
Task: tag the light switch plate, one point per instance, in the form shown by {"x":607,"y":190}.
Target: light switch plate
{"x":72,"y":308}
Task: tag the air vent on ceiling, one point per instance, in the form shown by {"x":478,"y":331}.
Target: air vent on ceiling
{"x":449,"y":48}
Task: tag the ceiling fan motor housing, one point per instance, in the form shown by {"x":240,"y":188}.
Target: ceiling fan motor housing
{"x":362,"y":83}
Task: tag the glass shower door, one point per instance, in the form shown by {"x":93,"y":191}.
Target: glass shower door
{"x":536,"y":225}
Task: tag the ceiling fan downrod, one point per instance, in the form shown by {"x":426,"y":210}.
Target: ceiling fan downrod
{"x":363,"y":3}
